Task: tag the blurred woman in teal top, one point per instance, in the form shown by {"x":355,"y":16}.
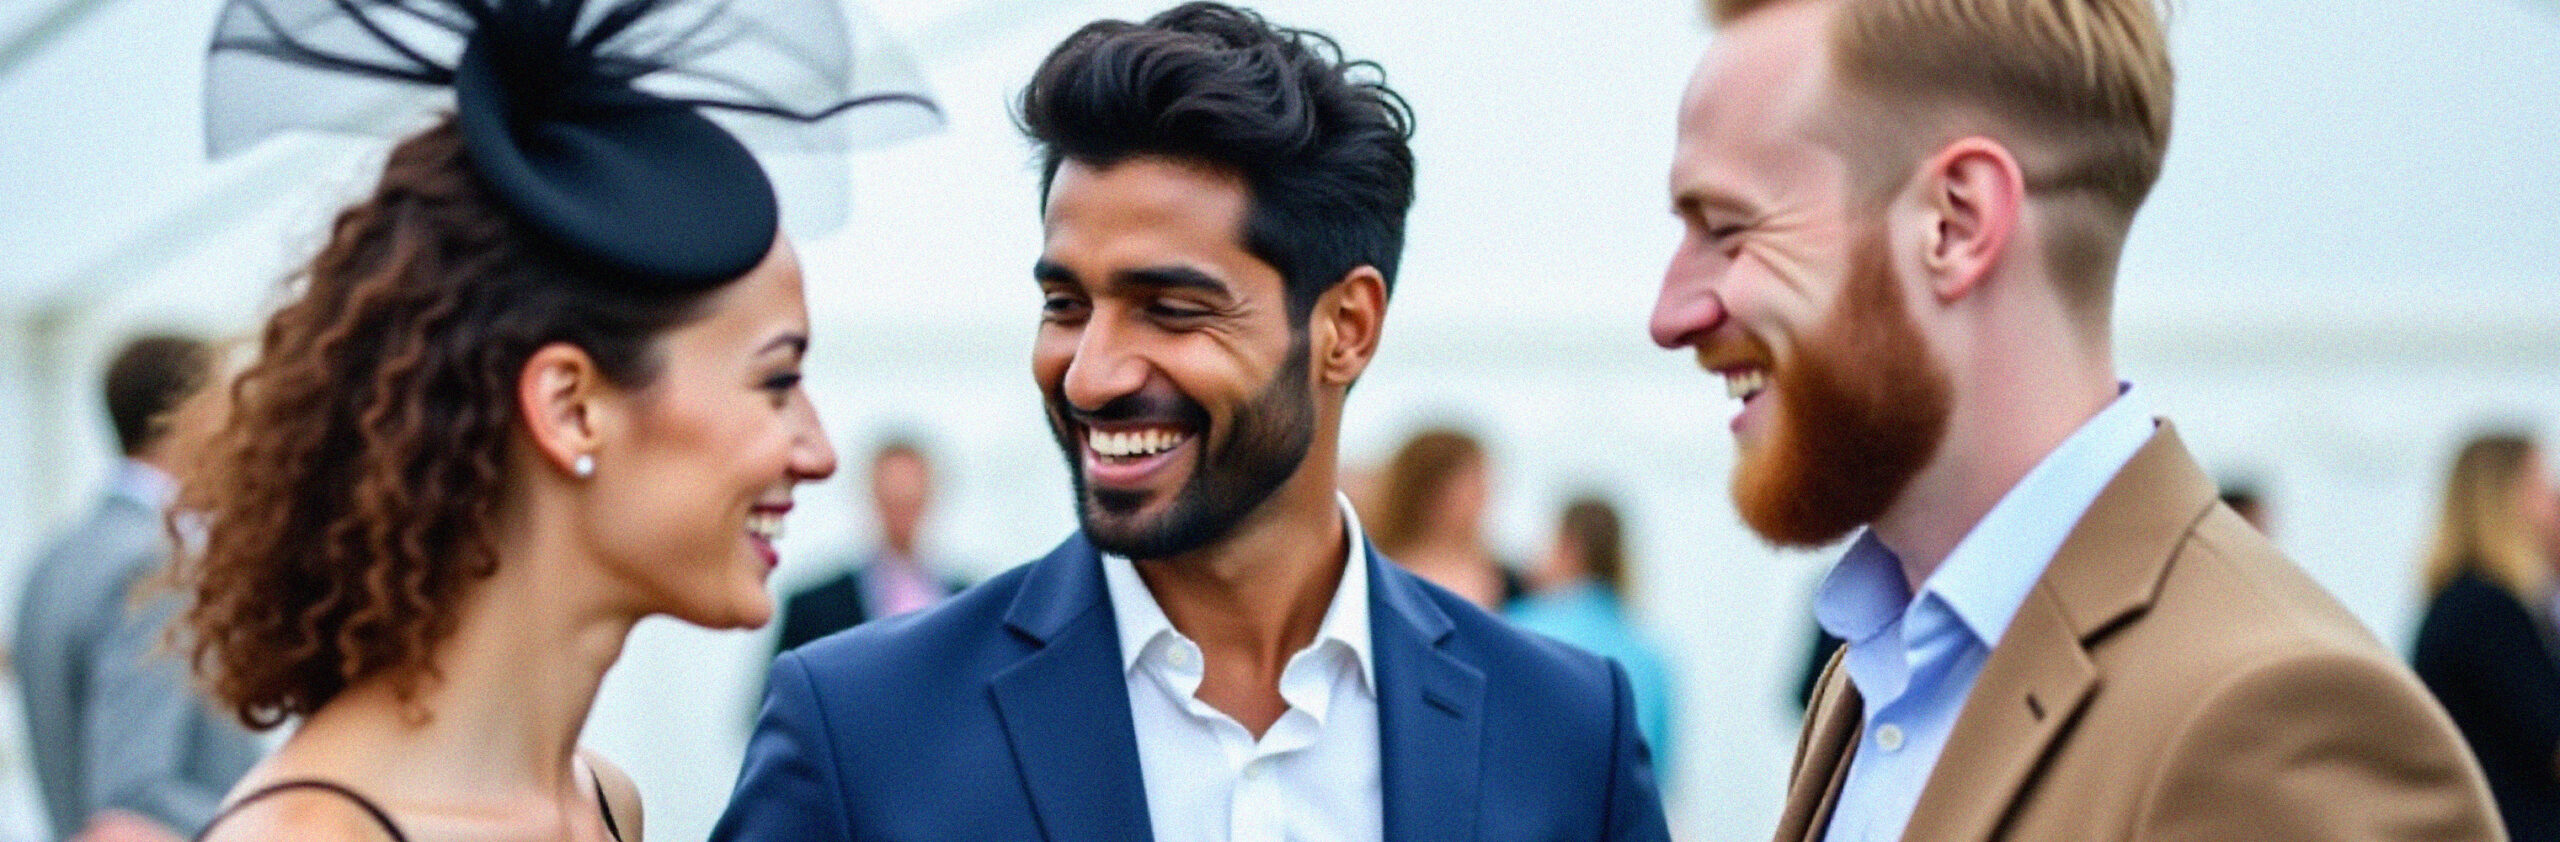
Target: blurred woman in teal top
{"x":1576,"y":596}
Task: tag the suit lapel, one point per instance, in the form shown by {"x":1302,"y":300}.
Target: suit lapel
{"x":2029,"y":692}
{"x":1430,"y":713}
{"x":1822,"y":757}
{"x":1066,"y":706}
{"x":2041,"y":674}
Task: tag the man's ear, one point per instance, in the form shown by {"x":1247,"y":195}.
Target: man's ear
{"x":1976,"y":196}
{"x":558,"y":393}
{"x":1345,"y":324}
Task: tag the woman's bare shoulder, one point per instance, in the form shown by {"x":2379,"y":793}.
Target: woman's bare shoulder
{"x":313,"y":813}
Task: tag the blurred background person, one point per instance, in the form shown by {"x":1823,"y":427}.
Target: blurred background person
{"x":2243,"y":497}
{"x":892,"y":578}
{"x":1578,"y":594}
{"x":1359,"y":481}
{"x":1428,"y":514}
{"x":1817,"y":657}
{"x":121,"y":743}
{"x":2485,"y":644}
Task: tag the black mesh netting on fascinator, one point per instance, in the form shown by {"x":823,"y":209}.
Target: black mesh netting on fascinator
{"x":629,"y":131}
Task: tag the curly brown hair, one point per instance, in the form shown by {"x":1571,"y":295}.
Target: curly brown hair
{"x":348,"y":496}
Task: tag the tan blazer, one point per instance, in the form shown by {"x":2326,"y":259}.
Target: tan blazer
{"x":2172,"y":677}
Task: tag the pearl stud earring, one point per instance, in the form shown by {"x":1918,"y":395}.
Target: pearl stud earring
{"x":584,"y":466}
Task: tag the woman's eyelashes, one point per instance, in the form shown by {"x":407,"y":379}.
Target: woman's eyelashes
{"x":781,"y":385}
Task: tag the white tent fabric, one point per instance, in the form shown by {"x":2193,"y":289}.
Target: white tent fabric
{"x":2348,"y":264}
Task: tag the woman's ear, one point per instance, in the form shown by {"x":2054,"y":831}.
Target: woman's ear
{"x":558,"y":393}
{"x":1346,"y":323}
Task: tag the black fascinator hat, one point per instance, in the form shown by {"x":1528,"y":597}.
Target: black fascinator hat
{"x":626,"y":131}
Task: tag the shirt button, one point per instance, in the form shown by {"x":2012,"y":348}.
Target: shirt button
{"x":1177,"y":656}
{"x":1889,"y":736}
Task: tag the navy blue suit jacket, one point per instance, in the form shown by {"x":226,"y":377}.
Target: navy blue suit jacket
{"x":1003,"y":714}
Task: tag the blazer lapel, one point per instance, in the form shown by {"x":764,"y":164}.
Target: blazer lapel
{"x":1066,"y":705}
{"x":2030,"y":689}
{"x":1430,"y":705}
{"x":1822,"y":757}
{"x":2040,"y":674}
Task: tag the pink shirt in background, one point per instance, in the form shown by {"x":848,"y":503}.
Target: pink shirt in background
{"x":897,"y":585}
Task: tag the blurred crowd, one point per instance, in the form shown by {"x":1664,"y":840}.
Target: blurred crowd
{"x":545,"y":381}
{"x":124,"y":747}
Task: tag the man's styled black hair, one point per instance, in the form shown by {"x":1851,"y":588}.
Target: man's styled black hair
{"x":1320,"y":142}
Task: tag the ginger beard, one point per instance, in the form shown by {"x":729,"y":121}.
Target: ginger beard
{"x":1861,"y":408}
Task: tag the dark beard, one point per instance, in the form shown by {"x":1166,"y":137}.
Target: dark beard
{"x":1268,"y":440}
{"x":1862,"y":407}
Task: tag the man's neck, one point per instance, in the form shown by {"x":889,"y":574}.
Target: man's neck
{"x":154,"y":457}
{"x":2007,"y":418}
{"x":1262,"y":591}
{"x":901,"y":554}
{"x":486,"y":733}
{"x":1255,"y":599}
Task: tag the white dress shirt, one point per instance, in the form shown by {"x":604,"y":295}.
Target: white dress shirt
{"x":1313,"y":776}
{"x":1914,"y":660}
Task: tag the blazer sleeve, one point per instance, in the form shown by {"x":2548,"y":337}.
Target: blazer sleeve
{"x":139,"y":730}
{"x":2318,"y":746}
{"x":1635,"y":799}
{"x":790,"y":788}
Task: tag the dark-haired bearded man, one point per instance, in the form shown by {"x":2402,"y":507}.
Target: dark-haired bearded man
{"x":1218,"y":653}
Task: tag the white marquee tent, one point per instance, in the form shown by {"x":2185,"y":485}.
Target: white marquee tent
{"x":2354,"y":258}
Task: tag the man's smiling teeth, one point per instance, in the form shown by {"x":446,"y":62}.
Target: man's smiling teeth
{"x":1133,"y":443}
{"x":765,"y":525}
{"x":1742,"y":383}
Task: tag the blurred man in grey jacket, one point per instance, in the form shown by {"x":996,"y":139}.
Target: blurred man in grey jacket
{"x":123,"y":747}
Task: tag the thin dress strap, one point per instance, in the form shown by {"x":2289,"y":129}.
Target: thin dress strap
{"x":379,"y":816}
{"x":376,"y":812}
{"x":605,"y":805}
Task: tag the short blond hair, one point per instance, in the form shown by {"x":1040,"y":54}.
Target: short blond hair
{"x":2085,"y":84}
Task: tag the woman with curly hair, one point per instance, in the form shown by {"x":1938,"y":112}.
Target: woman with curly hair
{"x":542,"y":383}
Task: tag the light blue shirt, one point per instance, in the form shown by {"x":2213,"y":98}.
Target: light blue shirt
{"x":1914,"y":660}
{"x":139,"y":482}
